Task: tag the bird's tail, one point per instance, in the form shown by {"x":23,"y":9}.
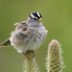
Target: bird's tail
{"x":5,"y":43}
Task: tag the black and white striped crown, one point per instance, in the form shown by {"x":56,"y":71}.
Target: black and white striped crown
{"x":35,"y":15}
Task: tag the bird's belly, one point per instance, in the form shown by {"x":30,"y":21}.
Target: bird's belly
{"x":34,"y":42}
{"x":25,"y":43}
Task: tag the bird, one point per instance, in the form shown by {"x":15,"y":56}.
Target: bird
{"x":27,"y":35}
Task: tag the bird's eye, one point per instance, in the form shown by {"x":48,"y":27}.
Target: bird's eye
{"x":35,"y":18}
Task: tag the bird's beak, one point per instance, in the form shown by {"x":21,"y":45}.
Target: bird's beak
{"x":40,"y":19}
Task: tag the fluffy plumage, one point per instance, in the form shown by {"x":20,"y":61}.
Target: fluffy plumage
{"x":28,"y":35}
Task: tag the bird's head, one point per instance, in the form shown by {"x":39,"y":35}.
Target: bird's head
{"x":35,"y":16}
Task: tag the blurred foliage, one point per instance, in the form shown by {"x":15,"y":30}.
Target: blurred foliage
{"x":57,"y":18}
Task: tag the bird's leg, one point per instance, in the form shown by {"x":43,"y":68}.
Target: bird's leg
{"x":29,"y":54}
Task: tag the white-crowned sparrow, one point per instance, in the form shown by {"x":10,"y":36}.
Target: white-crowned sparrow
{"x":28,"y":34}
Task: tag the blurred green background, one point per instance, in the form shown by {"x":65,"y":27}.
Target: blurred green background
{"x":57,"y":18}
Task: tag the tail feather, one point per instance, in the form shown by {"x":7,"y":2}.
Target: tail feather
{"x":5,"y":43}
